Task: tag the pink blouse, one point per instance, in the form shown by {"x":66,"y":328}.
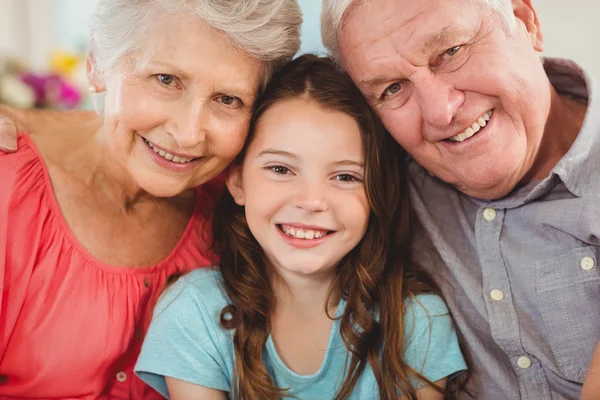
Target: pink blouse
{"x":71,"y":327}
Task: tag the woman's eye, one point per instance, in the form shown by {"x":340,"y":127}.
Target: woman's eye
{"x":166,"y":79}
{"x":230,"y":101}
{"x":278,"y":169}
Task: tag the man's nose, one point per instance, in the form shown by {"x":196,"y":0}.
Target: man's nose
{"x":439,"y":100}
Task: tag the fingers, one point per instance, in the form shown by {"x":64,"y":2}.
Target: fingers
{"x":8,"y":135}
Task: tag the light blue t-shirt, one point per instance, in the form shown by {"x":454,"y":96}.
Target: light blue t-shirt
{"x":186,"y":341}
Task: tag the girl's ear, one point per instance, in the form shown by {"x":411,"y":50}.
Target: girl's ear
{"x":234,"y":184}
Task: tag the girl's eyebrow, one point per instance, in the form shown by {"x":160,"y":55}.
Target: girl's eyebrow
{"x":359,"y":164}
{"x":278,"y":153}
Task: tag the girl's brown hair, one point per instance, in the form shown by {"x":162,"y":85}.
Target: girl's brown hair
{"x":375,"y":278}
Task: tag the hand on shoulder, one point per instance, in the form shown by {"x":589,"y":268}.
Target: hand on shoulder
{"x":8,"y":129}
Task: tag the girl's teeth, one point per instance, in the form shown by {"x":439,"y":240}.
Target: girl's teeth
{"x":307,"y":234}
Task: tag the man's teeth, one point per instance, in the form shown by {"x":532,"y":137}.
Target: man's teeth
{"x":474,"y":128}
{"x":302,"y":233}
{"x":168,"y":156}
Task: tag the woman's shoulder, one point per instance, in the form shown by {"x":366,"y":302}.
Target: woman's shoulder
{"x":21,"y":172}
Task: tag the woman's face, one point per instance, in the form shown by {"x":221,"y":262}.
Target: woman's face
{"x":177,"y":110}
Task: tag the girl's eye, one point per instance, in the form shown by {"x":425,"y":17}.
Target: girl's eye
{"x":166,"y":79}
{"x":278,"y":169}
{"x":346,"y":178}
{"x":230,"y":101}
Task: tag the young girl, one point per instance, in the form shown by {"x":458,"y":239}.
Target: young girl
{"x":315,"y":296}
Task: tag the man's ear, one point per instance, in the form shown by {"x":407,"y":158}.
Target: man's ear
{"x":525,"y":12}
{"x":93,"y":75}
{"x":234,"y":184}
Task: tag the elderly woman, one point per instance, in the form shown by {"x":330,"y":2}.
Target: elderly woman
{"x":95,"y":217}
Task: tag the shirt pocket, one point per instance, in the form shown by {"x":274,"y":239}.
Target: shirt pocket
{"x":568,"y":291}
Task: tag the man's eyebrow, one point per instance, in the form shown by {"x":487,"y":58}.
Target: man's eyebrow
{"x":374,"y":82}
{"x":439,"y":38}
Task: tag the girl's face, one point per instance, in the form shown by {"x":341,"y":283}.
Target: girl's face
{"x":302,"y":186}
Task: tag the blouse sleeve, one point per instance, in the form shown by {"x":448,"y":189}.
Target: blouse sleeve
{"x":184,"y":341}
{"x":432,"y":344}
{"x":21,"y":180}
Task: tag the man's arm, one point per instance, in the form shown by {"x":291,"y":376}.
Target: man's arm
{"x":16,"y":120}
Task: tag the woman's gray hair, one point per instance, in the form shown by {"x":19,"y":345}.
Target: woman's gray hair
{"x":333,"y":11}
{"x":268,"y":30}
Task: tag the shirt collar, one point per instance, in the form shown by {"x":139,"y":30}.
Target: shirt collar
{"x":578,"y":169}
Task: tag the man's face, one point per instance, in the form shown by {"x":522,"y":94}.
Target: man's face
{"x":468,"y":100}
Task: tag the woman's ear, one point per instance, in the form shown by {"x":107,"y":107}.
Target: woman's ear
{"x":234,"y":184}
{"x":96,"y":86}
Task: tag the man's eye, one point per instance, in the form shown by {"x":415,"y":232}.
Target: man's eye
{"x":391,"y":90}
{"x":166,"y":79}
{"x":452,"y":51}
{"x":230,"y":101}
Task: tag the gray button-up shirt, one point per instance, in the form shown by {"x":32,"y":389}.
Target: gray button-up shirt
{"x":521,"y":274}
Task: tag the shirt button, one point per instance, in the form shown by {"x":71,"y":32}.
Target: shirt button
{"x":489,"y":214}
{"x":497,"y":295}
{"x":524,"y":362}
{"x":587,"y":263}
{"x":121,"y":376}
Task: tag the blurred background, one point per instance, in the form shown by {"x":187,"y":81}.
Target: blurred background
{"x":43,"y":44}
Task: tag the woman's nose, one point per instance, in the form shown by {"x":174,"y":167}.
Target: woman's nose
{"x":191,"y":127}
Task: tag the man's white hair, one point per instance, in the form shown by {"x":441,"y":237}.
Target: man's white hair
{"x":333,"y":12}
{"x":268,"y":30}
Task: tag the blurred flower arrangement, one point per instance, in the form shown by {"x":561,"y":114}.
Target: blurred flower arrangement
{"x":62,"y":86}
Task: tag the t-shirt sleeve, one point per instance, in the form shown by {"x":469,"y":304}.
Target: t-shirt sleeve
{"x":432,"y":345}
{"x":182,"y":342}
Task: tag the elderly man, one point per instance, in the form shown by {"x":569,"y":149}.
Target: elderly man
{"x":505,"y":178}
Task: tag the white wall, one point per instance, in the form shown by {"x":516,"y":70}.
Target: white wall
{"x":572,"y":30}
{"x":32,"y":28}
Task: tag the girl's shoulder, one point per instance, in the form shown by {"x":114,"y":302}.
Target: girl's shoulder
{"x":431,"y":343}
{"x":421,"y":311}
{"x":427,"y":304}
{"x":200,"y":289}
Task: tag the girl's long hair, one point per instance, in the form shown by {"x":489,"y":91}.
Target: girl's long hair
{"x":375,"y":278}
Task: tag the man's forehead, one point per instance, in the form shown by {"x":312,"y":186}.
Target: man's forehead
{"x":372,"y":33}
